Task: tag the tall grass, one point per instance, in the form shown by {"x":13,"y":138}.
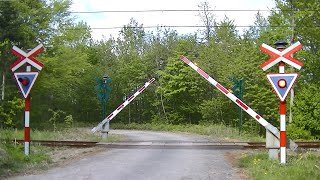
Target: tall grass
{"x":72,"y":134}
{"x":13,"y":160}
{"x":218,"y":131}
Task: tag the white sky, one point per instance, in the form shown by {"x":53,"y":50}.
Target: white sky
{"x":105,"y":20}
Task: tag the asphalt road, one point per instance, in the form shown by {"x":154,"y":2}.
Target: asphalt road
{"x":146,"y":164}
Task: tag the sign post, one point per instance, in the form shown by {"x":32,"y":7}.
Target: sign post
{"x":103,"y":92}
{"x":25,"y":81}
{"x":282,"y":82}
{"x":237,"y":90}
{"x":123,"y":105}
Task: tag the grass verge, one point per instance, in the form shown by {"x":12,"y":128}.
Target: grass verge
{"x":12,"y":158}
{"x":299,"y":166}
{"x":72,"y":134}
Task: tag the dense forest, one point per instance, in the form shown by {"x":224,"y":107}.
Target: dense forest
{"x":65,"y":90}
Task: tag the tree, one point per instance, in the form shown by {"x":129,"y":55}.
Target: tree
{"x":181,"y":91}
{"x":307,"y":110}
{"x":207,"y":18}
{"x":67,"y":77}
{"x":26,"y":24}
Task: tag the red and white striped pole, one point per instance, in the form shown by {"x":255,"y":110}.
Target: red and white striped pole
{"x":241,"y":104}
{"x":123,"y":105}
{"x":283,"y":136}
{"x":27,"y":126}
{"x":27,"y":121}
{"x":282,"y":109}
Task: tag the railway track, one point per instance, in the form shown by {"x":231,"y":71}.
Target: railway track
{"x":79,"y":144}
{"x":168,"y":144}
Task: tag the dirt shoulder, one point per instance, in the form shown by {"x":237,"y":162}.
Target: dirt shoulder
{"x":233,"y":158}
{"x":64,"y":156}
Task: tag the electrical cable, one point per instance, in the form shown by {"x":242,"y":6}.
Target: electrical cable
{"x":187,"y":10}
{"x":188,"y":26}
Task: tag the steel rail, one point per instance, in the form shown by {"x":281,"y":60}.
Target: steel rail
{"x":61,"y":143}
{"x":168,"y":144}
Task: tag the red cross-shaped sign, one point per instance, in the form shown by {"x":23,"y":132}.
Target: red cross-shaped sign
{"x":277,"y":56}
{"x":26,"y":57}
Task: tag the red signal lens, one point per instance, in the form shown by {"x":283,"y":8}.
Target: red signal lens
{"x":282,"y":83}
{"x":24,"y":81}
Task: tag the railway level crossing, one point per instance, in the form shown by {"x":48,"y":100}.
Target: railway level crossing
{"x":281,"y":83}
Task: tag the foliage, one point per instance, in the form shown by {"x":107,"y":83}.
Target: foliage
{"x":181,"y":90}
{"x":299,"y":166}
{"x":9,"y":109}
{"x":68,"y":120}
{"x":213,"y":110}
{"x":307,"y":112}
{"x":55,"y":118}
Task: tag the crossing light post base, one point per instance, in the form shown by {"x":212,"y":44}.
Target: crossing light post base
{"x":273,"y":145}
{"x":105,"y":130}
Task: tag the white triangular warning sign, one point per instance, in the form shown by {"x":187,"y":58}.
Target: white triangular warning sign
{"x":25,"y":81}
{"x":282,"y":83}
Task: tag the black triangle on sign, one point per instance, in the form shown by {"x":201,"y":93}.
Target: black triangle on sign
{"x":25,"y":81}
{"x":288,"y":78}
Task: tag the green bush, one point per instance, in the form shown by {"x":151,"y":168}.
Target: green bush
{"x":296,"y":132}
{"x":56,"y":117}
{"x":8,"y":110}
{"x":68,"y":120}
{"x":306,"y":111}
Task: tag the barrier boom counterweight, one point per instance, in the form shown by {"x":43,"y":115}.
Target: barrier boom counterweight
{"x":241,"y":104}
{"x":122,"y":106}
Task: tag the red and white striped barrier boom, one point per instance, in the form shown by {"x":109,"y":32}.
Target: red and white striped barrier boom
{"x":241,"y":104}
{"x":124,"y":104}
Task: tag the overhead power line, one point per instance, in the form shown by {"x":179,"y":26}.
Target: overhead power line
{"x":184,"y":10}
{"x":149,"y":27}
{"x":188,"y":26}
{"x":160,"y":10}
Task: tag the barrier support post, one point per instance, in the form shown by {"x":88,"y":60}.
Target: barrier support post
{"x":105,"y":130}
{"x":272,"y":144}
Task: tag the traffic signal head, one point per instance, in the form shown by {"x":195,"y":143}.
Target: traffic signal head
{"x":24,"y":81}
{"x":282,"y":83}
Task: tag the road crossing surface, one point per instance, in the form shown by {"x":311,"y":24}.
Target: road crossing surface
{"x":147,"y":164}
